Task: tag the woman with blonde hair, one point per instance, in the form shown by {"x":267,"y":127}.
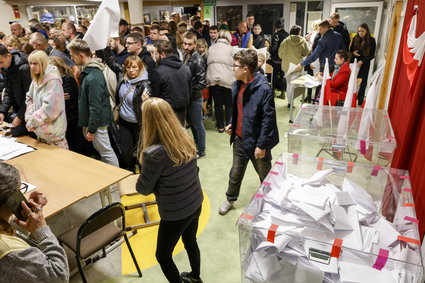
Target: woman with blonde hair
{"x":45,"y":114}
{"x":169,"y":170}
{"x":133,"y":87}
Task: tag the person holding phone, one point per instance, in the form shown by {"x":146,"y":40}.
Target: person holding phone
{"x":38,"y":257}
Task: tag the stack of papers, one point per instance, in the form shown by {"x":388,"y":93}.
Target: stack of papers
{"x":10,"y":148}
{"x":310,"y":214}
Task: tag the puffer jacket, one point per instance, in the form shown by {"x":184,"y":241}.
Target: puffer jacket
{"x":45,"y":111}
{"x":18,"y":80}
{"x":220,"y":62}
{"x":292,"y":50}
{"x":94,"y":109}
{"x":197,"y":68}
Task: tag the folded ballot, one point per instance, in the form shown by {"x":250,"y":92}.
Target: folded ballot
{"x":295,"y":222}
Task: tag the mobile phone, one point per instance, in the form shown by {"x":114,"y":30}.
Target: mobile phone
{"x":14,"y":203}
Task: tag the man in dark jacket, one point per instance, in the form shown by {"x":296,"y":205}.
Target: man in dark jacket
{"x":94,"y":109}
{"x":171,"y":80}
{"x":253,"y":129}
{"x":327,"y":46}
{"x":197,"y":68}
{"x":340,"y":28}
{"x":278,"y":77}
{"x":17,"y":78}
{"x":134,"y":45}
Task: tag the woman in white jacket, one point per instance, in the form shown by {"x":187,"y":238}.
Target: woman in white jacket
{"x":220,"y":77}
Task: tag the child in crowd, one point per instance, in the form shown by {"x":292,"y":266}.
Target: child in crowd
{"x":261,"y":61}
{"x":152,"y":49}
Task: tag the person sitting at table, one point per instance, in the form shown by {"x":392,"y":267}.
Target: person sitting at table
{"x":169,"y":170}
{"x":339,"y":81}
{"x":37,"y":258}
{"x":45,"y":113}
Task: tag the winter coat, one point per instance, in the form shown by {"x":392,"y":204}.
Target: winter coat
{"x":150,"y":64}
{"x":18,"y":80}
{"x":177,"y":188}
{"x":292,"y":50}
{"x":342,"y":30}
{"x":93,"y":100}
{"x":197,"y":68}
{"x":220,"y":62}
{"x":140,"y":87}
{"x":277,"y":39}
{"x":171,"y":81}
{"x":327,"y":46}
{"x":45,"y":112}
{"x":338,"y":85}
{"x":69,"y":85}
{"x":244,"y":41}
{"x":259,"y":126}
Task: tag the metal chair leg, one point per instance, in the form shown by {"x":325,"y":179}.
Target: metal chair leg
{"x":80,"y":269}
{"x":132,"y":255}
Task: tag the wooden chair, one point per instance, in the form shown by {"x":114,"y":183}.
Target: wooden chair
{"x":98,"y":233}
{"x":127,"y":187}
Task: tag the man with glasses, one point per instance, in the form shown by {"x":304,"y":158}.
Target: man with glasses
{"x":134,"y":45}
{"x":253,"y":129}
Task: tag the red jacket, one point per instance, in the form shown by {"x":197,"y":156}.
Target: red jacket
{"x":338,"y":85}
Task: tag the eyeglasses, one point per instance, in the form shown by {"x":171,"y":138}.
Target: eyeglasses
{"x":24,"y":188}
{"x":130,"y":43}
{"x":236,"y":66}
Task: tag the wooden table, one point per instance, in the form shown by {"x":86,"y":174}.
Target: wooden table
{"x":64,"y":176}
{"x":299,"y":82}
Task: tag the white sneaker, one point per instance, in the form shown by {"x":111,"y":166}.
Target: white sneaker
{"x":225,"y":207}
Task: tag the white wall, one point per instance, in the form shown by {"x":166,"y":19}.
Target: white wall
{"x":6,"y":15}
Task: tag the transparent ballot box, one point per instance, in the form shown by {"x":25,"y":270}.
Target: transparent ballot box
{"x":348,"y":134}
{"x":315,"y":220}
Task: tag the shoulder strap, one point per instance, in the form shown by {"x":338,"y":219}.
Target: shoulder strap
{"x":125,"y":96}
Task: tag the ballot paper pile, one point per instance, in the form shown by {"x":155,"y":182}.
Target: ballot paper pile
{"x":313,"y":230}
{"x":10,"y":148}
{"x":348,"y":134}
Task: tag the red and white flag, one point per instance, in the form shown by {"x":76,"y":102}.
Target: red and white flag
{"x":413,"y":50}
{"x":319,"y":114}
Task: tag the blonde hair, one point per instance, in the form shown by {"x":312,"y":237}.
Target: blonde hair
{"x":60,"y":64}
{"x":202,"y":43}
{"x":134,"y":58}
{"x":42,"y":59}
{"x":161,"y":126}
{"x":12,"y":40}
{"x":225,"y":34}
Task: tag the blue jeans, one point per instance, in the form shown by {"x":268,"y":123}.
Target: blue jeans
{"x":196,"y":123}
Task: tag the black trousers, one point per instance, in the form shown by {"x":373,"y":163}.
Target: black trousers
{"x":240,"y":162}
{"x":129,"y":133}
{"x":279,"y":81}
{"x":169,"y":234}
{"x":363,"y":74}
{"x":222,"y":97}
{"x":74,"y":136}
{"x":181,"y":114}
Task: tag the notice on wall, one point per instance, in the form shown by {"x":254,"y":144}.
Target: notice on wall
{"x":16,"y":12}
{"x":207,"y":12}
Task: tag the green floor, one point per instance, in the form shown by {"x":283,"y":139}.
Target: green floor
{"x":219,"y":242}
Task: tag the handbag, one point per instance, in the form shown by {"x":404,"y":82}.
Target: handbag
{"x":116,"y":110}
{"x":339,"y":102}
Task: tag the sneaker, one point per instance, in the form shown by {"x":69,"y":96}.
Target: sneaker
{"x":225,"y":207}
{"x":221,"y":130}
{"x":187,"y":278}
{"x":200,"y":154}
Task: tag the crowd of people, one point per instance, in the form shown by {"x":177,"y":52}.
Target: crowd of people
{"x":132,"y":102}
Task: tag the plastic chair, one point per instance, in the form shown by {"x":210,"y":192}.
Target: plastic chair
{"x":98,"y":232}
{"x":127,"y":187}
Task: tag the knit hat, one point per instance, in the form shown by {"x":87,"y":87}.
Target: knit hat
{"x":280,"y":23}
{"x":223,"y":26}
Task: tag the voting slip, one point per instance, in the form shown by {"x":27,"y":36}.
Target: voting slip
{"x":10,"y":148}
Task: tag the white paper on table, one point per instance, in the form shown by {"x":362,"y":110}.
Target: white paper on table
{"x":308,"y":195}
{"x":363,"y":273}
{"x":310,"y":81}
{"x":359,"y":196}
{"x":16,"y":153}
{"x":387,"y":233}
{"x":318,"y":177}
{"x":291,"y":69}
